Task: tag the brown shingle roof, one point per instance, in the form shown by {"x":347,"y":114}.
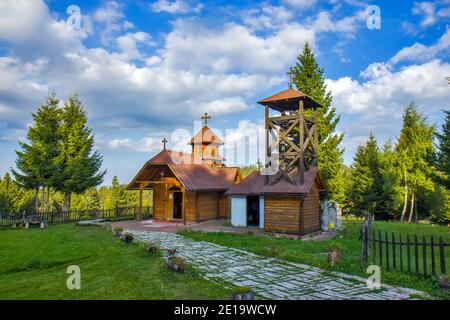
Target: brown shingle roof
{"x":254,"y":184}
{"x":194,"y":176}
{"x":288,"y":100}
{"x":205,"y":136}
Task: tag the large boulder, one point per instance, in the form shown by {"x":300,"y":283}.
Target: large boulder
{"x":331,"y":216}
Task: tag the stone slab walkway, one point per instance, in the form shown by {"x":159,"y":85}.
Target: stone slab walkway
{"x":268,"y":277}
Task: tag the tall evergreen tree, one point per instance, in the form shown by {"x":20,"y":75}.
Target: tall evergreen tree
{"x":309,"y":79}
{"x":443,"y":155}
{"x":78,"y":164}
{"x":36,"y":159}
{"x":366,"y":191}
{"x":118,"y":193}
{"x":415,"y":153}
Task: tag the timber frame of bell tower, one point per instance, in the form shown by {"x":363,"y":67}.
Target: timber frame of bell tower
{"x":291,"y":134}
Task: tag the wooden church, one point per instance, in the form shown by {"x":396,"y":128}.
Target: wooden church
{"x":198,"y":186}
{"x":188,"y":187}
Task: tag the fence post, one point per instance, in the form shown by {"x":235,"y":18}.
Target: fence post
{"x":433,"y":266}
{"x":14,"y":221}
{"x":394,"y":257}
{"x":401,"y":252}
{"x":365,"y":239}
{"x":442,"y":255}
{"x":387,"y":250}
{"x":424,"y":255}
{"x":416,"y":254}
{"x":408,"y":251}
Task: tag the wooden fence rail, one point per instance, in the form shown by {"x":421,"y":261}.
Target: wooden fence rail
{"x":415,"y":255}
{"x":56,"y":217}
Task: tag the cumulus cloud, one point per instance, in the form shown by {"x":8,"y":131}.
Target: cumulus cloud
{"x":177,"y":6}
{"x":420,"y":52}
{"x":431,"y":11}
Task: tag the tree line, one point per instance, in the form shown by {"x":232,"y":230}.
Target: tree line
{"x":407,"y":180}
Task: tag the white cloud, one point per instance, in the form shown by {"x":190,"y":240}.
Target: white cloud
{"x":301,"y":4}
{"x":129,"y":44}
{"x":176,"y":6}
{"x":431,"y":11}
{"x":419,"y":52}
{"x":147,"y":144}
{"x":428,"y":10}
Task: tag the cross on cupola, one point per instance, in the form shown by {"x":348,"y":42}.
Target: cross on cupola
{"x":164,"y":141}
{"x":291,"y":76}
{"x":206,"y":117}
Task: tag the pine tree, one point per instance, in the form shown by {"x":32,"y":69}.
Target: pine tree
{"x":36,"y":159}
{"x":118,"y":193}
{"x":364,"y":192}
{"x":415,"y":152}
{"x":78,"y":164}
{"x":443,"y":156}
{"x":309,"y":79}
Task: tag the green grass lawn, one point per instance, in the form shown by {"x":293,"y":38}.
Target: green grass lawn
{"x":314,"y":252}
{"x":33,"y":265}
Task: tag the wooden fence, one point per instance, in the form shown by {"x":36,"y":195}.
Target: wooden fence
{"x":405,"y":253}
{"x":56,"y":217}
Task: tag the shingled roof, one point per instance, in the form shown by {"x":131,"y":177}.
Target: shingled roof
{"x":288,"y":100}
{"x":205,"y":136}
{"x":254,"y":184}
{"x":194,"y":174}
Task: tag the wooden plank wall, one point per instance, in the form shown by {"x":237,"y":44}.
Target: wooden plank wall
{"x":190,"y":206}
{"x":224,"y":205}
{"x":311,"y":207}
{"x":281,"y":214}
{"x":207,"y":205}
{"x":159,"y":202}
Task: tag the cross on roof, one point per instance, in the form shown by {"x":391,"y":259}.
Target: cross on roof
{"x":205,"y":118}
{"x":291,"y":76}
{"x":164,"y":141}
{"x":162,"y":175}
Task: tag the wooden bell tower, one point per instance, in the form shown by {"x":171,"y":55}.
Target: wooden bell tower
{"x":291,"y":134}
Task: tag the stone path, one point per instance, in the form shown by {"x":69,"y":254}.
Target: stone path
{"x":270,"y":278}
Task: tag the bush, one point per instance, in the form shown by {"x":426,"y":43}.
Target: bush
{"x":118,"y":229}
{"x":177,"y":264}
{"x":153,"y":249}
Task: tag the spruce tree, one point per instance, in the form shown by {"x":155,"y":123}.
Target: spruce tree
{"x":309,"y":79}
{"x":118,"y":194}
{"x":36,"y":159}
{"x":443,"y":155}
{"x":366,"y":178}
{"x":78,"y":164}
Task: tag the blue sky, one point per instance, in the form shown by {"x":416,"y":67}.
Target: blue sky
{"x":148,"y":69}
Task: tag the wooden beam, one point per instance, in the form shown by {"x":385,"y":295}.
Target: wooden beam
{"x":268,"y":151}
{"x":141,"y":191}
{"x":301,"y":164}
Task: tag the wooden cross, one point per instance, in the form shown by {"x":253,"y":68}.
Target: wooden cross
{"x":164,"y":141}
{"x":206,"y":117}
{"x":291,"y":77}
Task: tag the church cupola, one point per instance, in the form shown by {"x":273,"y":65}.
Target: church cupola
{"x":205,"y":145}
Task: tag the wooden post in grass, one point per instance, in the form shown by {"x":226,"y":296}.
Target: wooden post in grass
{"x":365,"y":228}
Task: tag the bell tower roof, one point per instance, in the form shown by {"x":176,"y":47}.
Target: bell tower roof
{"x":205,"y":136}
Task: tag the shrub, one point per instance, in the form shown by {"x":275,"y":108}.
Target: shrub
{"x":118,"y":229}
{"x":177,"y":264}
{"x":153,"y":249}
